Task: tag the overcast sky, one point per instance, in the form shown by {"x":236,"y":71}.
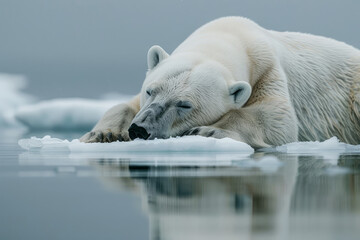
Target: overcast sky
{"x":85,"y":48}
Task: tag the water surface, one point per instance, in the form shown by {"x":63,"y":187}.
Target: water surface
{"x":65,"y":196}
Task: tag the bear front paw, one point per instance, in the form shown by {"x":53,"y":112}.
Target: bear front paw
{"x":204,"y":131}
{"x":104,"y":136}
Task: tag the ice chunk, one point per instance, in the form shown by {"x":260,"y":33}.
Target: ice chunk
{"x":11,"y":97}
{"x":332,"y":145}
{"x":45,"y":143}
{"x":65,"y":114}
{"x":178,"y":144}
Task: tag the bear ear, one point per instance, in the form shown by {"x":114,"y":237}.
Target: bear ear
{"x":240,"y":92}
{"x":155,"y":55}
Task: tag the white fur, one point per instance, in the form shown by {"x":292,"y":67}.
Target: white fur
{"x":302,"y":86}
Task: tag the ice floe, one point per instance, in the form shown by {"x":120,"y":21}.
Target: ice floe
{"x":180,"y":151}
{"x":178,"y":144}
{"x":330,"y":146}
{"x":183,"y":144}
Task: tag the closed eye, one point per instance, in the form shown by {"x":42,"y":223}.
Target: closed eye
{"x":148,"y":92}
{"x":186,"y":105}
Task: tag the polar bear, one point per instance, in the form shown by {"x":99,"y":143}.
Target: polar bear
{"x":233,"y":78}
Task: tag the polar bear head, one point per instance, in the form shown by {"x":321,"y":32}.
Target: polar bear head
{"x":182,"y":91}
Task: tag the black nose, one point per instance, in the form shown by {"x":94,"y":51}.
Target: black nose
{"x":138,"y":132}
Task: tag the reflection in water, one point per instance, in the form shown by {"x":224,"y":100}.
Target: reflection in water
{"x":232,"y":196}
{"x":307,"y":196}
{"x":326,"y":206}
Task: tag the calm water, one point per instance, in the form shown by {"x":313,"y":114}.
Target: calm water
{"x":67,"y":196}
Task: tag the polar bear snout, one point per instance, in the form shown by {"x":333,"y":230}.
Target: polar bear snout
{"x":152,"y":122}
{"x":136,"y":131}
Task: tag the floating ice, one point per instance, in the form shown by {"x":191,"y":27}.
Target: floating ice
{"x":179,"y":151}
{"x":45,"y":143}
{"x":178,"y":144}
{"x":182,"y":144}
{"x":330,"y":146}
{"x":65,"y":114}
{"x":11,"y":97}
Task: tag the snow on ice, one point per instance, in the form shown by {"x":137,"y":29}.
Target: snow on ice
{"x":179,"y":151}
{"x":178,"y":144}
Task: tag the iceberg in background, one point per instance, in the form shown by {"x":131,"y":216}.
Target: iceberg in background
{"x":64,"y":114}
{"x":12,"y":97}
{"x":20,"y":109}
